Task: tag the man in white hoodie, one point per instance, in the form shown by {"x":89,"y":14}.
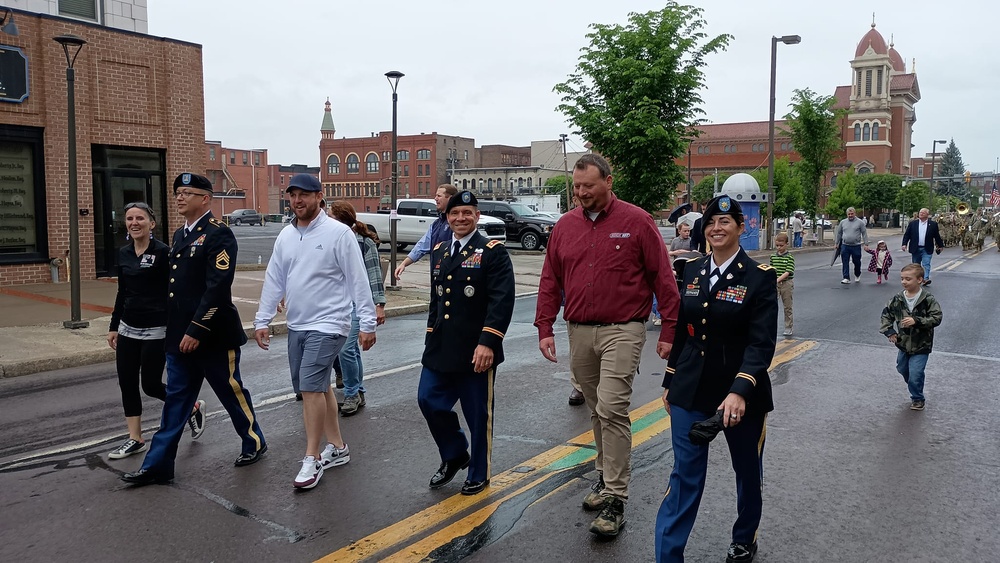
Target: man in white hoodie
{"x":317,"y":268}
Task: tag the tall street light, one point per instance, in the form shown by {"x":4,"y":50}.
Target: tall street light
{"x":787,"y":40}
{"x":930,"y":190}
{"x":393,"y":77}
{"x":75,"y":44}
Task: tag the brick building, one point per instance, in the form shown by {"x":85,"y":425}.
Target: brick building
{"x":240,"y":178}
{"x":278,"y":176}
{"x":140,"y":122}
{"x":358,"y":169}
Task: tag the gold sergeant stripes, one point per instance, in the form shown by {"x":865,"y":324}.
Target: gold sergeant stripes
{"x":492,"y":331}
{"x":748,"y":377}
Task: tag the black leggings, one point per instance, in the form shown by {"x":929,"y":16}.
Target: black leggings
{"x":140,"y":359}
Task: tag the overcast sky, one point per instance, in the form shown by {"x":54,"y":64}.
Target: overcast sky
{"x":486,"y":69}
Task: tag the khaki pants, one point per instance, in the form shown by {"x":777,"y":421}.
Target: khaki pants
{"x":603,"y":360}
{"x":785,"y":290}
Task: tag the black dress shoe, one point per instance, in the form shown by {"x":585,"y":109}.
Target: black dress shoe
{"x":144,"y":477}
{"x":250,"y":459}
{"x":576,"y":398}
{"x":447,"y":471}
{"x":474,"y":487}
{"x":741,"y":552}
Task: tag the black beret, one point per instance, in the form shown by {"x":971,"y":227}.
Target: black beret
{"x":722,"y":205}
{"x":462,"y":198}
{"x":195,"y":181}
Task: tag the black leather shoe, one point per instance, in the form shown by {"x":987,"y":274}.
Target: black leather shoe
{"x":250,"y":459}
{"x":144,"y":477}
{"x":447,"y":471}
{"x":576,"y":398}
{"x":741,"y":552}
{"x":474,"y":487}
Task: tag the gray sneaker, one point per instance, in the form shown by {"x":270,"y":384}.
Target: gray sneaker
{"x":351,"y":405}
{"x":333,"y":456}
{"x":595,"y":498}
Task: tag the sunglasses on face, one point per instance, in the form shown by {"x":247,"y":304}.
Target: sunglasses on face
{"x":140,"y":204}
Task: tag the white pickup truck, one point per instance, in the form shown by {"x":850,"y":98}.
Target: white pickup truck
{"x":415,"y":217}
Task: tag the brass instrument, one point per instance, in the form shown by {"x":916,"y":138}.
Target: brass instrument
{"x":962,"y":209}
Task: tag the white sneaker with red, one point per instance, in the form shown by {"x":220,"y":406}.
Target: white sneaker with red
{"x":310,"y":473}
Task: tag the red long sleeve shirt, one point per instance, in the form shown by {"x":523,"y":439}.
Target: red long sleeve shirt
{"x":608,"y":270}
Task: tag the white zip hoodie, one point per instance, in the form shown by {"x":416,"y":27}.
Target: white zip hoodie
{"x":322,"y":275}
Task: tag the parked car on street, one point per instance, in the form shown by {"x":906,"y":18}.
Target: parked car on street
{"x":243,"y":217}
{"x":415,"y":217}
{"x":524,"y":225}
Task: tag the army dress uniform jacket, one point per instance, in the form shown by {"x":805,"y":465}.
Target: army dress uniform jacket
{"x":725,"y":337}
{"x":200,"y":299}
{"x":472,"y":302}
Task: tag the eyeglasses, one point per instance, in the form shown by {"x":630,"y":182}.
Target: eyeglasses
{"x":184,"y":194}
{"x":140,"y":204}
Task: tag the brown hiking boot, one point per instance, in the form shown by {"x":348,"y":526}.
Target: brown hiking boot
{"x":595,"y":499}
{"x":611,"y":519}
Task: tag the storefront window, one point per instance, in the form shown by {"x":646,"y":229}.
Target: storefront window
{"x":22,"y":201}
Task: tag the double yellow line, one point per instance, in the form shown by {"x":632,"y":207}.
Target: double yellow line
{"x":956,"y":262}
{"x":648,"y":421}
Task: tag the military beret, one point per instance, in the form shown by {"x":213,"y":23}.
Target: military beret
{"x":722,"y":205}
{"x":304,"y":182}
{"x":462,"y":198}
{"x":194,"y":181}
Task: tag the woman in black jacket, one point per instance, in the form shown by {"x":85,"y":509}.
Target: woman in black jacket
{"x":138,"y":325}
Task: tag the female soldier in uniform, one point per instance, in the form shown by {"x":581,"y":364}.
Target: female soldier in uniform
{"x":723,"y":346}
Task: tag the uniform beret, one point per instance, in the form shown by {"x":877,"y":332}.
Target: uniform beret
{"x":462,"y":198}
{"x":722,"y":205}
{"x":195,"y":181}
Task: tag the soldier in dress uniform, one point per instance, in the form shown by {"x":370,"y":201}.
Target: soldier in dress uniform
{"x":204,"y":333}
{"x":723,"y":346}
{"x":472,"y":302}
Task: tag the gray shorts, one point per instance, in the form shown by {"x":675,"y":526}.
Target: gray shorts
{"x":310,"y":359}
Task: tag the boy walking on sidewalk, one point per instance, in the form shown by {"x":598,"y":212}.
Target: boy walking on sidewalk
{"x":908,"y":321}
{"x":784,"y":265}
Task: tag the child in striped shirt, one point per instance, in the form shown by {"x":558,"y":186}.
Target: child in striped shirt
{"x":784,"y":264}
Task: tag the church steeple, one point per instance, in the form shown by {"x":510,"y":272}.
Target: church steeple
{"x":327,"y":129}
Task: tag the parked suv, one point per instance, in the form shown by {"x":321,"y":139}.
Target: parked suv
{"x":524,"y":224}
{"x":241,"y":216}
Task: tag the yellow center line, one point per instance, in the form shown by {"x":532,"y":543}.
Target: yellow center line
{"x":949,"y":266}
{"x":524,"y":480}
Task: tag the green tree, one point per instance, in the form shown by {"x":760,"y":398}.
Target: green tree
{"x":814,"y":127}
{"x":843,"y":196}
{"x":952,"y":168}
{"x":556,"y":185}
{"x":636,"y":94}
{"x":877,"y":191}
{"x":911,"y":198}
{"x":703,"y":191}
{"x":788,"y":193}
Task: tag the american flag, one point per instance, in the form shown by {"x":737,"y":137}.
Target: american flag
{"x":995,"y":197}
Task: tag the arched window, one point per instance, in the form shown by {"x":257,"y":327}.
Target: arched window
{"x":529,"y":181}
{"x":489,"y":184}
{"x":371,"y":162}
{"x":424,"y":154}
{"x":875,"y":130}
{"x":465,"y":184}
{"x":480,"y":184}
{"x":402,"y":155}
{"x":353,"y":164}
{"x":857,"y":131}
{"x":333,"y":164}
{"x":520,"y":182}
{"x":864,"y":170}
{"x":866,"y":132}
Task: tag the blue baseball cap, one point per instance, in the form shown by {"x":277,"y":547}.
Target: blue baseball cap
{"x":304,"y":182}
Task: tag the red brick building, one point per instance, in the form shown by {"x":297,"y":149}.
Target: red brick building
{"x":876,"y":128}
{"x":358,"y":169}
{"x":140,"y":121}
{"x":278,"y":176}
{"x":240,"y":178}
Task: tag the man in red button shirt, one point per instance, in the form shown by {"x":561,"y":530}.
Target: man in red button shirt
{"x":608,"y":258}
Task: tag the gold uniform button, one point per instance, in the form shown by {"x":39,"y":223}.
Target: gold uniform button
{"x":171,"y":294}
{"x":702,"y":353}
{"x":448,"y":290}
{"x":705,"y":304}
{"x":171,"y":280}
{"x":447,"y":303}
{"x":175,"y":266}
{"x":449,"y":276}
{"x":446,"y":317}
{"x":178,"y":256}
{"x":704,"y":321}
{"x":703,"y":337}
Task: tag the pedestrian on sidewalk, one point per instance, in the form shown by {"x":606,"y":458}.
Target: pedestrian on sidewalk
{"x":797,"y":230}
{"x":783,"y":263}
{"x":350,"y":354}
{"x":722,"y":348}
{"x":439,"y":231}
{"x":921,"y":237}
{"x":880,"y":262}
{"x":472,"y":303}
{"x":908,"y":321}
{"x":139,"y":325}
{"x":609,"y":259}
{"x":851,"y":237}
{"x":317,"y":267}
{"x":204,"y":333}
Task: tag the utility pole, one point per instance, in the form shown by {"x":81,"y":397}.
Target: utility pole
{"x":562,"y":137}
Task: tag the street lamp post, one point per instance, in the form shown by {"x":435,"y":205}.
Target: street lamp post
{"x":393,"y":77}
{"x":787,"y":40}
{"x":74,"y":44}
{"x":930,"y":190}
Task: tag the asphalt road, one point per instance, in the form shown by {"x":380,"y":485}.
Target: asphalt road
{"x":851,"y":474}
